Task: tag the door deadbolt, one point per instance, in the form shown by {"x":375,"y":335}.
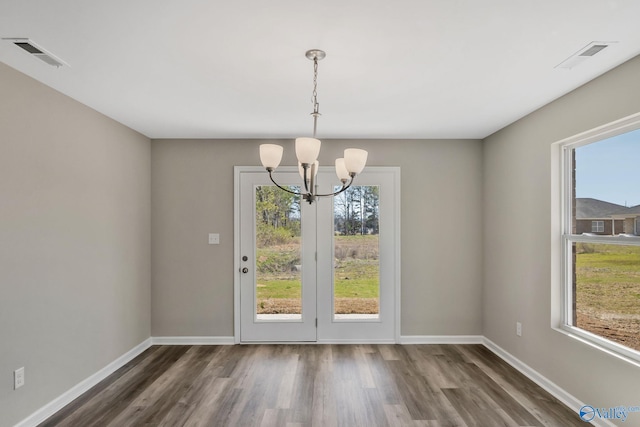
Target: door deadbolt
{"x":245,"y":258}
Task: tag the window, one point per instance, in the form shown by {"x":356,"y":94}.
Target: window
{"x":601,"y":272}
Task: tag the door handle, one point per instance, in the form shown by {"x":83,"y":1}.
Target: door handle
{"x":245,"y":270}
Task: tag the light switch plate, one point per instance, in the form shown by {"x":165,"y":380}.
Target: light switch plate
{"x":18,"y":378}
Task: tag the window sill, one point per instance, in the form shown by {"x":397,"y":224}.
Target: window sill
{"x":608,"y":347}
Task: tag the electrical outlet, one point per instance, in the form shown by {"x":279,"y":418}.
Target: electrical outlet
{"x":18,"y":378}
{"x":519,"y":329}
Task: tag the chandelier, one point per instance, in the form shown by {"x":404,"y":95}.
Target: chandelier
{"x":307,"y":150}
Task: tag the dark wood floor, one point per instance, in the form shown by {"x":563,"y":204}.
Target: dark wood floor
{"x":319,"y":385}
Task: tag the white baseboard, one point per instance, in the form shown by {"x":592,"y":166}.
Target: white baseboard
{"x":192,"y":340}
{"x":70,"y":395}
{"x":441,"y":339}
{"x":552,"y":388}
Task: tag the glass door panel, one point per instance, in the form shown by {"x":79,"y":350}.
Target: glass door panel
{"x":278,"y":254}
{"x":356,"y":291}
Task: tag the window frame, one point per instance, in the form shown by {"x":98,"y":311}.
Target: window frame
{"x":562,"y":315}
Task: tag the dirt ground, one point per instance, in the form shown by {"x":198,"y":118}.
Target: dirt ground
{"x":343,"y":306}
{"x":625,"y":331}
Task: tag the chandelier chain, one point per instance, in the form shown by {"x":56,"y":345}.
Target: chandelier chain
{"x":314,"y":96}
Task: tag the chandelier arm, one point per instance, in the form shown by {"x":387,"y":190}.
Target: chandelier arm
{"x":312,"y":178}
{"x":281,"y":187}
{"x":305,"y":168}
{"x":344,"y":188}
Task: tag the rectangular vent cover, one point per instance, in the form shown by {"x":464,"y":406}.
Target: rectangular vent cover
{"x":37,"y":51}
{"x":593,"y":49}
{"x":583,"y":54}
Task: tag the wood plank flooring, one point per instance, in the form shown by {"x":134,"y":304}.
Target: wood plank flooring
{"x":316,"y":385}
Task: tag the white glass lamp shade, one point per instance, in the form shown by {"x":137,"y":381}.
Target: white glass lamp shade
{"x":355,"y":159}
{"x":301,"y":170}
{"x":307,"y":149}
{"x":341,"y":170}
{"x":270,"y":155}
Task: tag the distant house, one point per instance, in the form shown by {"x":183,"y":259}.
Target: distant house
{"x":631,"y":218}
{"x":595,"y":216}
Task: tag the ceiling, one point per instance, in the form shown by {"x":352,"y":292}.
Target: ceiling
{"x":394,"y":69}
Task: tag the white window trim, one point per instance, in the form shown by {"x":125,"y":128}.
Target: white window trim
{"x":562,"y":239}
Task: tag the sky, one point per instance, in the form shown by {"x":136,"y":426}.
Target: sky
{"x":609,"y":170}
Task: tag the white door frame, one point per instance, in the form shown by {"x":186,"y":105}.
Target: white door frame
{"x":396,"y":261}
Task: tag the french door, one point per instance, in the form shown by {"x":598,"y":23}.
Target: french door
{"x":325,"y":272}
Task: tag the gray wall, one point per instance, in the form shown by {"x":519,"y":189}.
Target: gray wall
{"x":74,"y":242}
{"x":518,"y":242}
{"x":192,"y":195}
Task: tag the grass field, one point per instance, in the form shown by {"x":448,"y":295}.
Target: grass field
{"x":353,"y":279}
{"x":356,"y":275}
{"x":608,"y":291}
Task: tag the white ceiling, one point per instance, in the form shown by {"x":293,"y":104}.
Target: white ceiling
{"x":394,"y":69}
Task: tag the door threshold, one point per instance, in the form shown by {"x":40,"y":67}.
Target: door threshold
{"x":324,"y":342}
{"x":278,"y":342}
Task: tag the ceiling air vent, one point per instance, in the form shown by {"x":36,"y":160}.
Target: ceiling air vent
{"x":583,"y":54}
{"x":37,"y":51}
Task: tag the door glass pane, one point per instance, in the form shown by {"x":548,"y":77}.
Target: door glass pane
{"x":356,"y":252}
{"x":278,"y":254}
